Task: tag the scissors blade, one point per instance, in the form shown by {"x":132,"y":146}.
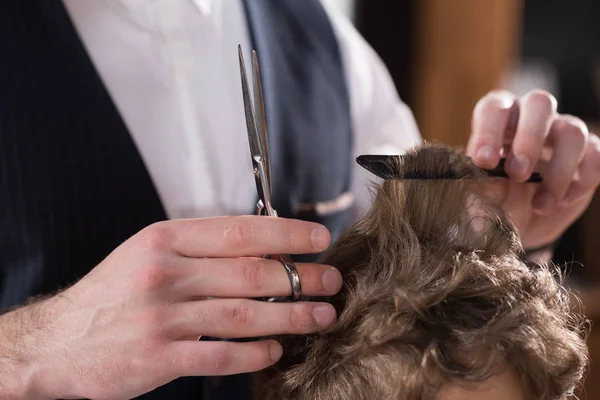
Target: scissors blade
{"x":256,"y":152}
{"x":261,"y":119}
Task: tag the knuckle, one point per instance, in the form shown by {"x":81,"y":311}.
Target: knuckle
{"x":287,"y":236}
{"x":153,"y":319}
{"x":254,"y":274}
{"x":500,"y":93}
{"x":574,"y":128}
{"x":154,"y":276}
{"x":240,"y":313}
{"x":542,"y":99}
{"x":202,"y":316}
{"x":238,"y":232}
{"x":220,"y":357}
{"x":494,"y":101}
{"x":157,"y":236}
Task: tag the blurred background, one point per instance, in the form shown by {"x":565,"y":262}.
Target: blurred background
{"x":444,"y":55}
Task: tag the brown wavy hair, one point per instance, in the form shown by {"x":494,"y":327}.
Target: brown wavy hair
{"x":435,"y":292}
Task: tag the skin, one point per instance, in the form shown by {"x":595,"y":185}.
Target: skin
{"x":504,"y":386}
{"x":531,"y":134}
{"x":130,"y":325}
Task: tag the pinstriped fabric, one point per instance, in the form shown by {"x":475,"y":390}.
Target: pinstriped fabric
{"x":72,"y":185}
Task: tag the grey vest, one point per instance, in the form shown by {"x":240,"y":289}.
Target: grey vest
{"x":72,"y":184}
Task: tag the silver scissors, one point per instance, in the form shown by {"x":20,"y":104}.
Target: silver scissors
{"x":259,"y":150}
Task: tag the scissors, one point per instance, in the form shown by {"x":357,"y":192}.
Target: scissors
{"x":259,"y":150}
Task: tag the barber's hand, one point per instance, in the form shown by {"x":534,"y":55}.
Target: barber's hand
{"x":132,"y":323}
{"x":530,"y":132}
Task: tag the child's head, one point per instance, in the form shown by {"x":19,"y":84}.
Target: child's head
{"x":436,"y":304}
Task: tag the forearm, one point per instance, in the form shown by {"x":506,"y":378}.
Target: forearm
{"x":19,"y":332}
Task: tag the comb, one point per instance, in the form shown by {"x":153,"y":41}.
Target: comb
{"x":383,"y":167}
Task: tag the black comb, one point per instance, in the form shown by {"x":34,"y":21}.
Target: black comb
{"x":384,"y":167}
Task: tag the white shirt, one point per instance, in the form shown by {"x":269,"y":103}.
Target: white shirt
{"x":171,"y":68}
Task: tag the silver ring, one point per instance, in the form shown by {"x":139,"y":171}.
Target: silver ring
{"x":293,"y":276}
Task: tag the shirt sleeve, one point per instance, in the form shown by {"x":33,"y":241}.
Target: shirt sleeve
{"x":382,"y":123}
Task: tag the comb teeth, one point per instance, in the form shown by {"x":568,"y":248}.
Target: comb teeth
{"x":449,"y":167}
{"x":426,"y":176}
{"x":421,"y":166}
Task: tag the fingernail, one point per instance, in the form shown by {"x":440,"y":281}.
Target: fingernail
{"x":324,"y":315}
{"x":332,"y":280}
{"x":485,"y":154}
{"x":320,"y":238}
{"x":520,"y":164}
{"x":275,"y":351}
{"x":543,"y":201}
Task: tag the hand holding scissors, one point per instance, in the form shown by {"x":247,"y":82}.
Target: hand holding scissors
{"x":132,"y":323}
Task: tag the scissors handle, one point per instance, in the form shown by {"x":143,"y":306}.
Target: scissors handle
{"x":294,"y":276}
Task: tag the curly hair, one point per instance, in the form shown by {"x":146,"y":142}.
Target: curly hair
{"x":435,"y":292}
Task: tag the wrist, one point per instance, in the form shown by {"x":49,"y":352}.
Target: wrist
{"x":20,"y":368}
{"x":17,"y":380}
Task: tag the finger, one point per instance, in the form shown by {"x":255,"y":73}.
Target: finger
{"x":537,"y":111}
{"x":238,"y":236}
{"x":490,"y":121}
{"x":589,"y":173}
{"x":193,"y":358}
{"x":569,"y":136}
{"x":241,"y":318}
{"x":253,"y":277}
